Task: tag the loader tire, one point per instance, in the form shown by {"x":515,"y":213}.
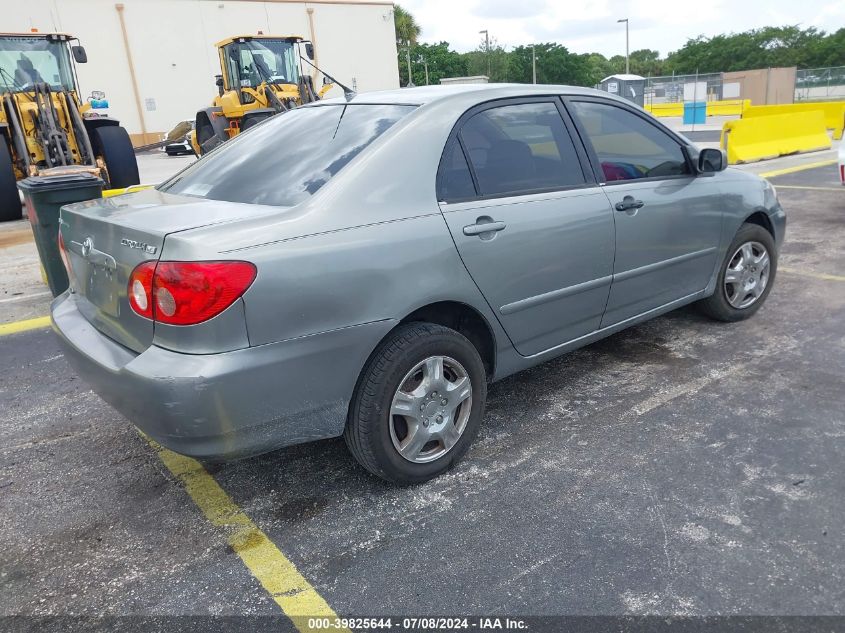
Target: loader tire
{"x":10,"y":200}
{"x":112,"y":143}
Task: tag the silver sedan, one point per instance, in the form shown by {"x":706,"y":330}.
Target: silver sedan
{"x":366,"y":267}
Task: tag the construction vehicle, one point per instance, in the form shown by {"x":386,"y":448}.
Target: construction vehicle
{"x":45,"y":128}
{"x":262,"y":75}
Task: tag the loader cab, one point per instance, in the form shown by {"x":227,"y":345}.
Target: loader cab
{"x":29,"y":59}
{"x":249,"y":61}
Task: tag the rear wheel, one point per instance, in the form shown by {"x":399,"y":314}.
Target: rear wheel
{"x":10,"y":201}
{"x":746,"y":276}
{"x":113,"y":144}
{"x":418,"y":404}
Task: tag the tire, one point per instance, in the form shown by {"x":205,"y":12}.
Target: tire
{"x":735,"y":301}
{"x":112,"y":143}
{"x":10,"y":200}
{"x":374,"y":436}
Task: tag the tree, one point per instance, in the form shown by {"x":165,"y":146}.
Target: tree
{"x":758,"y":48}
{"x":407,"y":31}
{"x":555,"y":65}
{"x":497,"y":57}
{"x":646,"y":62}
{"x":442,"y":62}
{"x":406,"y":27}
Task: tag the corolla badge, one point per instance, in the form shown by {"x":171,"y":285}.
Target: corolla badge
{"x":140,"y":245}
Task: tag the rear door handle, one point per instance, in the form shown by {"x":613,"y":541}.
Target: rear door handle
{"x":481,"y":227}
{"x":629,"y":204}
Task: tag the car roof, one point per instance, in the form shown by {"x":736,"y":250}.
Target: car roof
{"x":485,"y":92}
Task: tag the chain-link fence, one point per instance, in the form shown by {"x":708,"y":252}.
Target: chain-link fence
{"x":819,"y":84}
{"x":680,"y":88}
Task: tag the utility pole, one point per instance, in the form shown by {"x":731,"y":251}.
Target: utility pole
{"x":533,"y":66}
{"x":487,"y":49}
{"x":627,"y":55}
{"x":425,"y":63}
{"x":410,"y":83}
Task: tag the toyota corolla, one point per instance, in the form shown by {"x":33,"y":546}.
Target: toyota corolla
{"x":366,"y":267}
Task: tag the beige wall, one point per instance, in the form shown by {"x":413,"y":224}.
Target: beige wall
{"x":764,"y":86}
{"x":172,"y":46}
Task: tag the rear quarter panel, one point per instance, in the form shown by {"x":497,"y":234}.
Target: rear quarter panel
{"x":359,"y":275}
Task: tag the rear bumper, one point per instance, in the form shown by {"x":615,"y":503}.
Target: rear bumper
{"x":231,"y":404}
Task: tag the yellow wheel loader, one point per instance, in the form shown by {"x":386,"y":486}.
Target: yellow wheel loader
{"x":262,"y":75}
{"x":45,"y":128}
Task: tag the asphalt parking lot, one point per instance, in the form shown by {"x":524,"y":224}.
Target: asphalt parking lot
{"x":683,"y":467}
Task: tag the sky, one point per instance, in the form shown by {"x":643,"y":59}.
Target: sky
{"x":586,"y":26}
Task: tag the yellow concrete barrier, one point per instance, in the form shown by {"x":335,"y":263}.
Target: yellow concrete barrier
{"x":108,"y":193}
{"x":665,"y":109}
{"x":833,"y":112}
{"x":727,"y":107}
{"x":756,"y":138}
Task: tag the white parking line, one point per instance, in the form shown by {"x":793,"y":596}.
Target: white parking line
{"x":25,"y":297}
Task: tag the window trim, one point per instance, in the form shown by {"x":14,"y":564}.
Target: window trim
{"x":454,"y":137}
{"x":595,"y":163}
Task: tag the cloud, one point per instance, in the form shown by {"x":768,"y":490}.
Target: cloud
{"x":508,"y":9}
{"x":586,"y":26}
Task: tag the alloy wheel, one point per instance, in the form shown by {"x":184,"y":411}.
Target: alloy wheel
{"x":430,"y":409}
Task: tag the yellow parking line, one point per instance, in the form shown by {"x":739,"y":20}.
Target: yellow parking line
{"x":792,"y":170}
{"x":22,"y":326}
{"x":837,"y":189}
{"x":278,"y":575}
{"x":810,"y":273}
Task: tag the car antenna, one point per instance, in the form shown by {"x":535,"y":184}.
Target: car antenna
{"x":347,"y":91}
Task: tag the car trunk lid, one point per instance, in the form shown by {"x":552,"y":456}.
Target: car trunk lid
{"x":106,"y":239}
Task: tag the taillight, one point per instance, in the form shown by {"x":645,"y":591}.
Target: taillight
{"x":187,"y":293}
{"x":842,"y":173}
{"x":141,"y":289}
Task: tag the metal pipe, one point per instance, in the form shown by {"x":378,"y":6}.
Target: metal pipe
{"x":313,"y":31}
{"x":81,"y":132}
{"x":119,"y":7}
{"x":627,"y":56}
{"x":17,"y":134}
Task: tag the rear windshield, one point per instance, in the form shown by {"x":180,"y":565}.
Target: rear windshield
{"x":289,"y":157}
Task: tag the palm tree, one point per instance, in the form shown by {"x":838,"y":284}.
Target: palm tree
{"x":407,"y":29}
{"x":407,"y":32}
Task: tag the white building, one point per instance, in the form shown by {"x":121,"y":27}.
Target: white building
{"x":156,"y":61}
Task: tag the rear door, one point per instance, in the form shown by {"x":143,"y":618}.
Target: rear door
{"x":668,"y":221}
{"x":530,"y":222}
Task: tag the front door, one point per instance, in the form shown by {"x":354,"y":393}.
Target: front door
{"x":668,"y":221}
{"x":530,"y":223}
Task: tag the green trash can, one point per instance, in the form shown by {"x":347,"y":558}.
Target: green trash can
{"x":43,"y":197}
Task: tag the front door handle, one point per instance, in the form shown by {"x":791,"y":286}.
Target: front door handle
{"x":484,"y":225}
{"x":629,"y":204}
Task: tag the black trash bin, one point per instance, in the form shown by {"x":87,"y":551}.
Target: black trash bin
{"x":43,"y":197}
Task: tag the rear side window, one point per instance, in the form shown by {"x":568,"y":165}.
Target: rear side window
{"x":521,"y":148}
{"x":628,"y":147}
{"x":287,"y":159}
{"x":455,"y":181}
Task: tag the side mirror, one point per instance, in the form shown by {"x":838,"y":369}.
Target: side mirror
{"x":79,"y":54}
{"x":711,"y":160}
{"x":309,"y":50}
{"x":218,"y":81}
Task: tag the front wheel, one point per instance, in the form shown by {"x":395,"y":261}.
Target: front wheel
{"x":10,"y":201}
{"x":418,"y":404}
{"x":746,"y":276}
{"x":113,"y":144}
